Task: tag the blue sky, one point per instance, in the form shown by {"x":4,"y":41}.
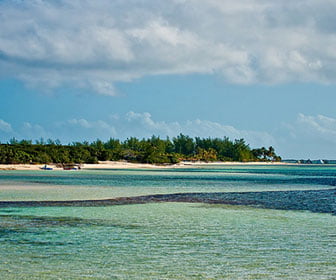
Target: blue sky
{"x":259,"y":70}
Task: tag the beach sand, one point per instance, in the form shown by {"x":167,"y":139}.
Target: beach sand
{"x":129,"y":165}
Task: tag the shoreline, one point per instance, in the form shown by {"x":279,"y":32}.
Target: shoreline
{"x":129,"y":165}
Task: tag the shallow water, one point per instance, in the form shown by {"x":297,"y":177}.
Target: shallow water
{"x":169,"y":239}
{"x":100,"y":184}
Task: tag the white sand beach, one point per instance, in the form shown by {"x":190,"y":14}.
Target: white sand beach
{"x":129,"y":165}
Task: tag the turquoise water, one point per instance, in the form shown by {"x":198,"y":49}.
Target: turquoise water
{"x":205,"y":223}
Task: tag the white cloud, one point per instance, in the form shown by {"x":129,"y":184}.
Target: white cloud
{"x":140,"y":125}
{"x":5,"y":126}
{"x":319,"y":126}
{"x":308,"y":137}
{"x":94,"y":125}
{"x":96,"y":44}
{"x":33,"y":131}
{"x":143,"y":125}
{"x":82,"y":129}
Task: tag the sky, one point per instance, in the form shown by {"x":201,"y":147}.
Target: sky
{"x":262,"y":70}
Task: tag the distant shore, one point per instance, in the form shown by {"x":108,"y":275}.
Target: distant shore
{"x":129,"y":165}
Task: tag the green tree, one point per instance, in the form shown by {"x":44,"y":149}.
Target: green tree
{"x":184,"y":145}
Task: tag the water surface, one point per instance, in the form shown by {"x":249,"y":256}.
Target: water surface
{"x":222,"y":222}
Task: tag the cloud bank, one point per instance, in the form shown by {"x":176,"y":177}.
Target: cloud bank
{"x":308,"y":137}
{"x":140,"y":125}
{"x":95,"y":44}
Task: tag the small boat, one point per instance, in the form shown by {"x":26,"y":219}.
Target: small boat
{"x":71,"y":167}
{"x":45,"y":167}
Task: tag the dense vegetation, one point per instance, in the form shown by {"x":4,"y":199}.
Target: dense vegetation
{"x":153,"y":150}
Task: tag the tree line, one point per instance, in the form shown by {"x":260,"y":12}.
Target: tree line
{"x":152,"y":150}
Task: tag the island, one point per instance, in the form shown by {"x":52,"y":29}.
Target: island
{"x":153,"y":150}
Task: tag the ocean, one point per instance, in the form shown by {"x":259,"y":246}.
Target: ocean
{"x":206,"y":222}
